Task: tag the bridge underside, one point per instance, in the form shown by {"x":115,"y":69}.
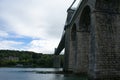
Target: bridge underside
{"x":61,"y":46}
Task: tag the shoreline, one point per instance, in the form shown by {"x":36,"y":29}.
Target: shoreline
{"x":53,"y":72}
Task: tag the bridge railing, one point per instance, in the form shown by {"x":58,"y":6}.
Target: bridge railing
{"x":76,"y":3}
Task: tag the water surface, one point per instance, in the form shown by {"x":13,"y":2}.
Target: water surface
{"x":30,"y":74}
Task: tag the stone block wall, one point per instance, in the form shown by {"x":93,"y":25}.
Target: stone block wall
{"x":57,"y":61}
{"x":96,"y":50}
{"x":107,"y":56}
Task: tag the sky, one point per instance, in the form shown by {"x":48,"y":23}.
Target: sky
{"x":32,"y":25}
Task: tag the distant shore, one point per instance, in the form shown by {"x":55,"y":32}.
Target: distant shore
{"x":12,"y":58}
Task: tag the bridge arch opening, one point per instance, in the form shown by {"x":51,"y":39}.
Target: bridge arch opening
{"x":73,"y":32}
{"x":85,"y":20}
{"x":72,"y":44}
{"x":84,"y":39}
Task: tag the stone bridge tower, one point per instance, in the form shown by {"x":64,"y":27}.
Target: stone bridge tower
{"x":92,"y":39}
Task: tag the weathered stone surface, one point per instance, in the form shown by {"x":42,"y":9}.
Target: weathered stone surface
{"x":107,"y":53}
{"x":108,"y":5}
{"x":95,"y":49}
{"x":56,"y":61}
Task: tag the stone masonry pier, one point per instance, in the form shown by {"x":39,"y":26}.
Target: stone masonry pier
{"x":92,"y":40}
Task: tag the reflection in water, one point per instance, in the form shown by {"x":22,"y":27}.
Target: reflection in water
{"x":57,"y":77}
{"x":30,"y":74}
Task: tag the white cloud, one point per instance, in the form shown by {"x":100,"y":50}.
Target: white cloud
{"x":3,"y":34}
{"x":44,"y":46}
{"x":35,"y":18}
{"x":7,"y":44}
{"x":41,"y":19}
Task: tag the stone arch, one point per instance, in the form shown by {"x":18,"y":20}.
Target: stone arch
{"x":85,"y":20}
{"x":72,"y":46}
{"x":83,"y":41}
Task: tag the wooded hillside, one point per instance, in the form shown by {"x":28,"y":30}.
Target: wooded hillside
{"x":11,"y":58}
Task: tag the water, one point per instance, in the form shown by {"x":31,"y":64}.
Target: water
{"x":30,"y":74}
